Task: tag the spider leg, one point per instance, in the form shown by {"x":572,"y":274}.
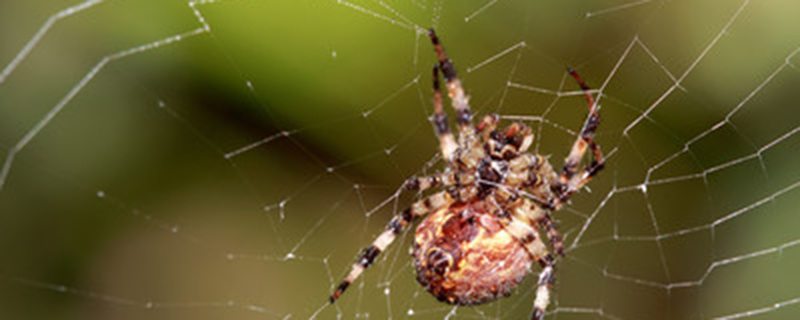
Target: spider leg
{"x":468,"y":140}
{"x":454,"y":88}
{"x":527,"y":210}
{"x":553,"y":236}
{"x":545,"y":283}
{"x":439,"y":179}
{"x":530,"y":170}
{"x":523,"y":230}
{"x":395,"y":226}
{"x":447,"y":143}
{"x":570,"y":178}
{"x":488,"y":125}
{"x":446,"y":139}
{"x":521,"y":226}
{"x":526,"y":137}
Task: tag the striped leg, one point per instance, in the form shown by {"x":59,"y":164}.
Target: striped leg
{"x":545,"y":283}
{"x":570,"y":177}
{"x":524,"y":232}
{"x":454,"y":88}
{"x":395,"y":226}
{"x":488,"y":125}
{"x":446,"y":140}
{"x":553,"y":236}
{"x":586,"y":137}
{"x":440,"y":179}
{"x":522,"y":141}
{"x":521,"y":228}
{"x":528,"y":211}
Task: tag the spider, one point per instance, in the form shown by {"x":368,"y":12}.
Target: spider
{"x":482,"y":235}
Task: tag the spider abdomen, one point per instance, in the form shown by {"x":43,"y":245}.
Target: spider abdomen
{"x":464,"y":256}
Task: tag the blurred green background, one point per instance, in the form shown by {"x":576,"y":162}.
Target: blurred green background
{"x":157,"y":169}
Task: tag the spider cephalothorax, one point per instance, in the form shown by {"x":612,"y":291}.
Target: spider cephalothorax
{"x":482,"y":235}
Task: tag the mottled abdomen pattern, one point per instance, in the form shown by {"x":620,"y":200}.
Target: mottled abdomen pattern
{"x":463,"y":256}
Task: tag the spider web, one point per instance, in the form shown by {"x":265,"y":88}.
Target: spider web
{"x":228,"y":159}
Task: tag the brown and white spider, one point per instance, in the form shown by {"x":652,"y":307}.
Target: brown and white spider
{"x":483,"y":234}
